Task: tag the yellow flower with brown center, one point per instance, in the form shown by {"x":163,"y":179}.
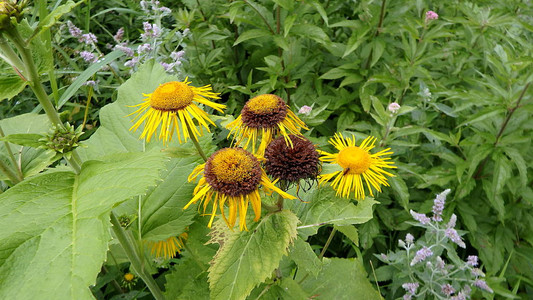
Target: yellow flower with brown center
{"x":232,"y":177}
{"x":357,"y":163}
{"x":172,"y":107}
{"x":168,"y":248}
{"x":263,"y":118}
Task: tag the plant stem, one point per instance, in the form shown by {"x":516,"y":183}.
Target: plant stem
{"x":195,"y":141}
{"x":35,"y":82}
{"x":330,"y":238}
{"x":128,"y":244}
{"x":37,"y":86}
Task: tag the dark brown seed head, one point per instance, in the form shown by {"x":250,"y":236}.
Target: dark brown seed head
{"x":292,"y":163}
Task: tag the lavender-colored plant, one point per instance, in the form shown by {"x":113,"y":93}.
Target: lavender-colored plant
{"x":430,"y":266}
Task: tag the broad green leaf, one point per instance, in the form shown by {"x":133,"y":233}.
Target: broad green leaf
{"x":304,"y":257}
{"x":336,"y":73}
{"x":251,"y":34}
{"x":10,"y":86}
{"x":247,"y":258}
{"x":322,"y":207}
{"x":287,"y":25}
{"x":187,"y":281}
{"x":340,"y":279}
{"x":350,"y":232}
{"x":55,"y":226}
{"x":163,"y":215}
{"x":24,"y":139}
{"x":87,"y":74}
{"x":31,"y":160}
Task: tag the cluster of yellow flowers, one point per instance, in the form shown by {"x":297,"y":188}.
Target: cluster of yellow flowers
{"x":266,"y":135}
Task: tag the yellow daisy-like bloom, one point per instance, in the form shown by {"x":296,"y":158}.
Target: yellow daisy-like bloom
{"x":168,"y":248}
{"x":264,"y":117}
{"x":358,"y":164}
{"x":232,"y":177}
{"x":172,"y":108}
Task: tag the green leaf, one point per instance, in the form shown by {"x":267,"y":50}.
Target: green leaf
{"x":341,"y":279}
{"x":24,"y":139}
{"x":487,"y":113}
{"x":320,"y":10}
{"x":163,"y":215}
{"x":312,"y":32}
{"x":88,"y":73}
{"x":187,"y":281}
{"x":304,"y":257}
{"x":400,"y":191}
{"x":31,"y":160}
{"x":520,"y":163}
{"x":247,"y":258}
{"x":54,"y":16}
{"x":350,"y":232}
{"x":10,"y":86}
{"x":251,"y":34}
{"x":55,"y":226}
{"x":321,"y":207}
{"x":345,"y":119}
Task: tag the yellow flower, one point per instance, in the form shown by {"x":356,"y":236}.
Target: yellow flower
{"x":169,"y":247}
{"x":233,"y":177}
{"x":129,"y":277}
{"x":357,"y":163}
{"x":263,"y":118}
{"x":172,"y":108}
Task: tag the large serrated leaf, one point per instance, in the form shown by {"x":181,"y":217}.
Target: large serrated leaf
{"x":163,"y":215}
{"x":247,"y":258}
{"x":304,"y":257}
{"x":55,"y":226}
{"x":322,"y":207}
{"x":340,"y":279}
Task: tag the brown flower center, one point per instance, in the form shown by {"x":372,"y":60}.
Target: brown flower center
{"x":264,"y":111}
{"x":233,"y":171}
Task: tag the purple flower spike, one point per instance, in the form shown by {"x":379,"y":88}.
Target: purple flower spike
{"x":421,"y":255}
{"x":422,"y":218}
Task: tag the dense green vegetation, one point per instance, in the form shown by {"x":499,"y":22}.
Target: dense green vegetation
{"x":446,"y":85}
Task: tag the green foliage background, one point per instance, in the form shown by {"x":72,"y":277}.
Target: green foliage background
{"x":463,"y":82}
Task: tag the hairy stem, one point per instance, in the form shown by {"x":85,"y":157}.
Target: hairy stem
{"x":37,"y":86}
{"x":128,"y":244}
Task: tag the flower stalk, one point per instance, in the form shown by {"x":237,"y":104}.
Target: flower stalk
{"x":128,"y":244}
{"x":36,"y":85}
